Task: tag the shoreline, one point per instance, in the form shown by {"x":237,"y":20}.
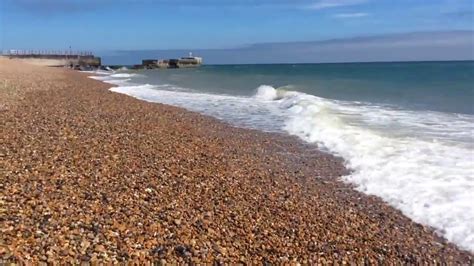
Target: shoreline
{"x":106,"y":176}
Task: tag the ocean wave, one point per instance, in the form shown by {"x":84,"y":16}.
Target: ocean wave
{"x":133,"y":89}
{"x":114,"y":78}
{"x":97,"y":72}
{"x":124,"y":75}
{"x":428,"y":179}
{"x":100,"y":77}
{"x":268,"y":93}
{"x":417,"y":161}
{"x":240,"y":111}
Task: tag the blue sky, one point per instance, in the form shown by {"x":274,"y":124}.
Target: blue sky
{"x":110,"y":27}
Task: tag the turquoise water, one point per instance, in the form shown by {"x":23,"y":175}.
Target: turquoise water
{"x":437,"y":86}
{"x":406,"y":130}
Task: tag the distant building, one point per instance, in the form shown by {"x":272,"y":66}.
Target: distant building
{"x":149,"y":63}
{"x":190,"y":61}
{"x":163,"y":63}
{"x":183,"y":62}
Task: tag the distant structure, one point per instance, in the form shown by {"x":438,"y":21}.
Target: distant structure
{"x":75,"y":59}
{"x":183,"y":62}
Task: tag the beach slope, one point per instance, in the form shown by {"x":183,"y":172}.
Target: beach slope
{"x":91,"y":175}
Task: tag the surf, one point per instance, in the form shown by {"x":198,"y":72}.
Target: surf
{"x":418,"y":161}
{"x":429,"y":178}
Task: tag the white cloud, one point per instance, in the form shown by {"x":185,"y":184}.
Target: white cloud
{"x":351,"y":15}
{"x":323,"y":4}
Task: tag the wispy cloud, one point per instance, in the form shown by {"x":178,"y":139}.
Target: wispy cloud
{"x":61,"y":6}
{"x":323,"y":4}
{"x":414,"y":46}
{"x":351,"y":15}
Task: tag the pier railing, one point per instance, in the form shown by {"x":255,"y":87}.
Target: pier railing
{"x":46,"y":53}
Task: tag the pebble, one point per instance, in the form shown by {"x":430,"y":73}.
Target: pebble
{"x":126,"y":181}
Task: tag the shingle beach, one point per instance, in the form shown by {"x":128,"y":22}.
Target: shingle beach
{"x":88,"y":175}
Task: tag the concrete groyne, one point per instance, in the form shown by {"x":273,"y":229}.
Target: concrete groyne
{"x":74,"y":59}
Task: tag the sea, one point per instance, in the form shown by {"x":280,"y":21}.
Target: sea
{"x":405,"y":130}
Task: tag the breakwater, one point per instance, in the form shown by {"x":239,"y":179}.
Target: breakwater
{"x":76,"y":59}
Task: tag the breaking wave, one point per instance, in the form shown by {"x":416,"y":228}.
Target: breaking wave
{"x":425,"y":168}
{"x":420,"y":162}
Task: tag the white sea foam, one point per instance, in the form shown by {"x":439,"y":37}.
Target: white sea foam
{"x":241,"y":111}
{"x":115,"y":79}
{"x":266,"y":92}
{"x":123,"y":75}
{"x":100,"y":77}
{"x":133,"y":90}
{"x":417,"y":161}
{"x":97,"y":72}
{"x":426,"y":172}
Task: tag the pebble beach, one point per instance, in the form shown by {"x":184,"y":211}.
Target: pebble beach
{"x":89,"y":176}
